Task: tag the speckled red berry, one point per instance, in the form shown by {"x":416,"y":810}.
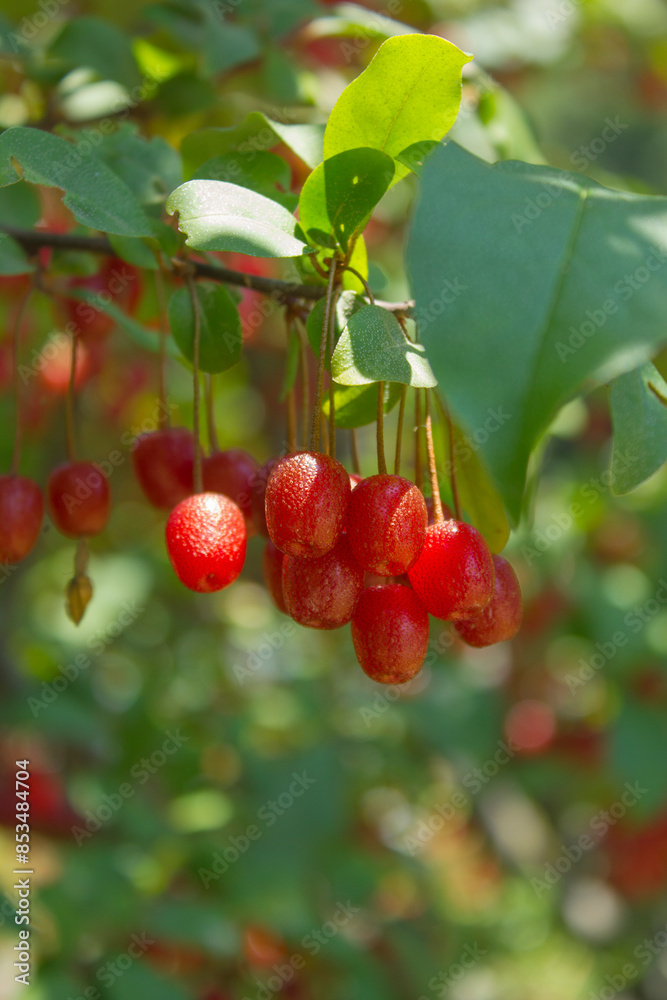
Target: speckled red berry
{"x":390,"y":633}
{"x":453,"y":576}
{"x":233,"y":473}
{"x":323,"y":593}
{"x":307,"y":497}
{"x":206,"y":541}
{"x":272,"y":570}
{"x":21,"y":513}
{"x":501,"y":618}
{"x":386,"y":524}
{"x":79,"y":499}
{"x":163,"y":462}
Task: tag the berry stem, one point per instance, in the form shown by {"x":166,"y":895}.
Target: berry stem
{"x":197,"y":472}
{"x":324,"y":339}
{"x":379,"y":423}
{"x":419,"y":471}
{"x":305,"y":383}
{"x":399,"y":432}
{"x":438,"y":516}
{"x":452,"y":465}
{"x":213,"y":443}
{"x":18,"y":429}
{"x":332,"y":400}
{"x":356,"y":467}
{"x":69,"y":404}
{"x":162,"y":356}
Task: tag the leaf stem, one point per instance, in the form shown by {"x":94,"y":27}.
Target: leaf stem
{"x":382,"y":464}
{"x":16,"y":344}
{"x":324,"y":339}
{"x":363,"y":281}
{"x":438,"y":516}
{"x":197,"y":473}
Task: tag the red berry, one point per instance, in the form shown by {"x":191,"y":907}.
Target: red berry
{"x":163,"y":462}
{"x":233,"y":473}
{"x":386,"y":524}
{"x":79,"y":499}
{"x":453,"y":576}
{"x":21,"y":513}
{"x":272,"y":569}
{"x":258,"y":495}
{"x":501,"y":618}
{"x":390,"y":633}
{"x":206,"y":541}
{"x":322,"y":593}
{"x":307,"y":497}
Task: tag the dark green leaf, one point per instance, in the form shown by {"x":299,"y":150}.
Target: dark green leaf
{"x":12,"y":257}
{"x":221,"y":216}
{"x":135,"y":251}
{"x":340,"y":194}
{"x":639,"y":414}
{"x":410,"y":92}
{"x":19,"y":206}
{"x":226,"y":44}
{"x":356,"y":405}
{"x":220,"y":331}
{"x":373,"y":348}
{"x":90,"y":41}
{"x":151,"y":168}
{"x":348,"y":303}
{"x":523,"y":299}
{"x":93,"y":193}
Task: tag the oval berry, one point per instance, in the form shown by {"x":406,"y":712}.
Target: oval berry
{"x":307,"y":496}
{"x":501,"y":618}
{"x":453,"y":576}
{"x":79,"y":499}
{"x":323,"y":593}
{"x":21,"y":513}
{"x":232,"y":473}
{"x":206,"y":541}
{"x":390,"y":633}
{"x":163,"y":462}
{"x":386,"y":524}
{"x":272,"y":570}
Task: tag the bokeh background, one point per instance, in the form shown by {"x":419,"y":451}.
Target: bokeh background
{"x":497,"y":829}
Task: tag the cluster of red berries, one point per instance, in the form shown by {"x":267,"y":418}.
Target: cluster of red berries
{"x":332,"y":537}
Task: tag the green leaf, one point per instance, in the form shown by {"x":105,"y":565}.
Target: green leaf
{"x":226,"y":44}
{"x":151,"y":168}
{"x":12,"y":257}
{"x":100,"y":45}
{"x":356,"y":405}
{"x":410,"y":92}
{"x":523,"y":299}
{"x":135,"y":251}
{"x":340,"y":194}
{"x":19,"y":206}
{"x":346,"y":305}
{"x":638,"y":402}
{"x":373,"y":348}
{"x":221,"y":216}
{"x":93,"y":193}
{"x":266,"y":173}
{"x":280,"y":17}
{"x":221,"y":339}
{"x":256,"y":133}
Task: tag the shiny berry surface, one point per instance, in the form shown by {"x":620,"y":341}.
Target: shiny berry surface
{"x":163,"y":462}
{"x":307,"y":497}
{"x":206,"y":541}
{"x":390,"y":633}
{"x":501,"y":618}
{"x":21,"y":513}
{"x":453,"y":576}
{"x":272,"y":571}
{"x":232,"y":473}
{"x":323,"y":593}
{"x":78,"y":499}
{"x":386,"y":524}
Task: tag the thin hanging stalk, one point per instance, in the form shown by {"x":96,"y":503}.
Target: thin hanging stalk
{"x":419,"y":471}
{"x":16,"y":338}
{"x":317,"y":409}
{"x":399,"y":432}
{"x":305,"y":384}
{"x":438,"y":516}
{"x":197,"y":476}
{"x":212,"y":430}
{"x":382,"y":465}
